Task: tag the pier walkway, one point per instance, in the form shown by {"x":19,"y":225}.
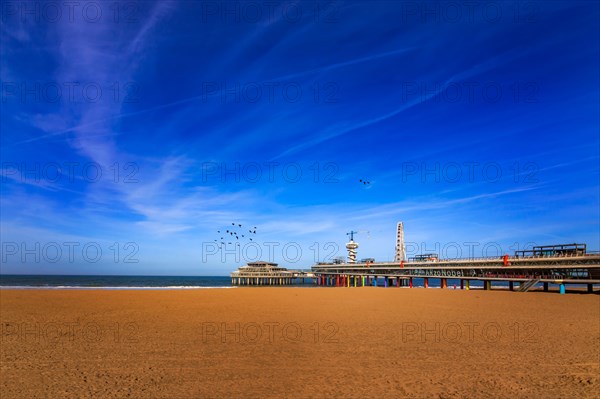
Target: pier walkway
{"x":526,"y":271}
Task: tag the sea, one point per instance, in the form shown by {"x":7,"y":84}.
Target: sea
{"x":13,"y":281}
{"x":112,"y":282}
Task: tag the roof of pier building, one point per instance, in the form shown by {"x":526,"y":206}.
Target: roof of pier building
{"x":262,"y":267}
{"x":262,"y":263}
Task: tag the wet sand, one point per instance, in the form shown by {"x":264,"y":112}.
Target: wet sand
{"x":298,"y":342}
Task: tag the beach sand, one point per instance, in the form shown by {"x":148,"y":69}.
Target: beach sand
{"x":298,"y":342}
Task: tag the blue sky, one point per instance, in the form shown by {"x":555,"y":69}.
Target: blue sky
{"x":131,"y":134}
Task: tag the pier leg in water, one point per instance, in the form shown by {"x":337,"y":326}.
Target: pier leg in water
{"x":562,"y":288}
{"x":426,"y":282}
{"x":467,"y":285}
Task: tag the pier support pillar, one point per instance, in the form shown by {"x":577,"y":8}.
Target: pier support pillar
{"x":363,"y":281}
{"x":426,"y":284}
{"x":462,"y":284}
{"x":444,"y":283}
{"x":375,"y":281}
{"x":511,"y":286}
{"x":355,"y":278}
{"x":397,"y":281}
{"x":410,"y":282}
{"x":467,"y":285}
{"x":562,"y":288}
{"x":385,"y":282}
{"x":590,"y":288}
{"x":545,"y":287}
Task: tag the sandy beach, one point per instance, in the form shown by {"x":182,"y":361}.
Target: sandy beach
{"x":297,"y":342}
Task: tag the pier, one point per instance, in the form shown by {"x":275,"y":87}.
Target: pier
{"x":268,"y":273}
{"x":521,"y":272}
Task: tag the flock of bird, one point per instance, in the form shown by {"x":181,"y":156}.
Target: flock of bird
{"x":234,"y":231}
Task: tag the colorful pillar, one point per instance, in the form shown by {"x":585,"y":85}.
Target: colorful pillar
{"x":375,"y":281}
{"x":444,"y":283}
{"x":355,"y":278}
{"x":363,"y":281}
{"x":467,"y":284}
{"x":348,"y":281}
{"x":410,"y":282}
{"x":562,"y":288}
{"x":426,"y":282}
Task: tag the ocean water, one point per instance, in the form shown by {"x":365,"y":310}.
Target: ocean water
{"x":113,"y":282}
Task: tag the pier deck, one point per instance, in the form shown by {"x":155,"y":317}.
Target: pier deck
{"x":580,"y":269}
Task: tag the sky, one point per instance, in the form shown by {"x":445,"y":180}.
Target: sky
{"x":133,"y":134}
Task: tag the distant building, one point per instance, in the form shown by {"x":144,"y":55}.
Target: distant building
{"x":262,"y":273}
